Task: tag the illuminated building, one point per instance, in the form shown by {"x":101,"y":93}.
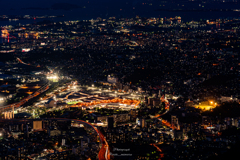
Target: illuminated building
{"x":143,"y":123}
{"x":206,"y":105}
{"x":174,"y":121}
{"x":5,"y":33}
{"x":37,"y":125}
{"x":112,"y":79}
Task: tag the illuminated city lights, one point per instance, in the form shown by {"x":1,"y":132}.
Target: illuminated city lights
{"x":89,"y":88}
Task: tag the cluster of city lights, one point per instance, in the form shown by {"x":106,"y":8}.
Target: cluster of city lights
{"x":53,"y":77}
{"x":209,"y":106}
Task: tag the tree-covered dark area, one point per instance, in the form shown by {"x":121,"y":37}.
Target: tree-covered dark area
{"x":219,"y":80}
{"x":144,"y":74}
{"x":226,"y":109}
{"x":233,"y":151}
{"x":217,"y":86}
{"x":6,"y":57}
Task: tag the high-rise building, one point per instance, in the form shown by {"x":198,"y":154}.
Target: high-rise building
{"x":37,"y":125}
{"x":159,"y":94}
{"x":19,"y":153}
{"x":63,"y":142}
{"x":150,"y":101}
{"x":133,"y":113}
{"x":174,"y":121}
{"x":142,"y":123}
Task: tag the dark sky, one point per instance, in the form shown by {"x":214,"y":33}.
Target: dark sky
{"x":124,"y":8}
{"x":36,"y":3}
{"x":16,"y":4}
{"x":42,"y":3}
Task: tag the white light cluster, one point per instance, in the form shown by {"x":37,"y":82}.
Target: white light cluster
{"x":52,"y":77}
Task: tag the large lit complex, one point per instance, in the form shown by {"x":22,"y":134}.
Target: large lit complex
{"x":207,"y":105}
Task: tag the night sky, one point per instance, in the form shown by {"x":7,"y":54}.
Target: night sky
{"x":121,"y":8}
{"x":45,"y":3}
{"x":8,"y":4}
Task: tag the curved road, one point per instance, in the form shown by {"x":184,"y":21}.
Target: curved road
{"x":164,"y":122}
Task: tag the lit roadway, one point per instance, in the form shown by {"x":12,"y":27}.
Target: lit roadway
{"x":23,"y":101}
{"x":164,"y":122}
{"x":104,"y":153}
{"x":159,"y":150}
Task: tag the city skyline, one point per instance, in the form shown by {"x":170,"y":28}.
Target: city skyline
{"x":154,"y":80}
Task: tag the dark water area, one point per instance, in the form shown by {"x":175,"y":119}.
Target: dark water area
{"x":126,"y":8}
